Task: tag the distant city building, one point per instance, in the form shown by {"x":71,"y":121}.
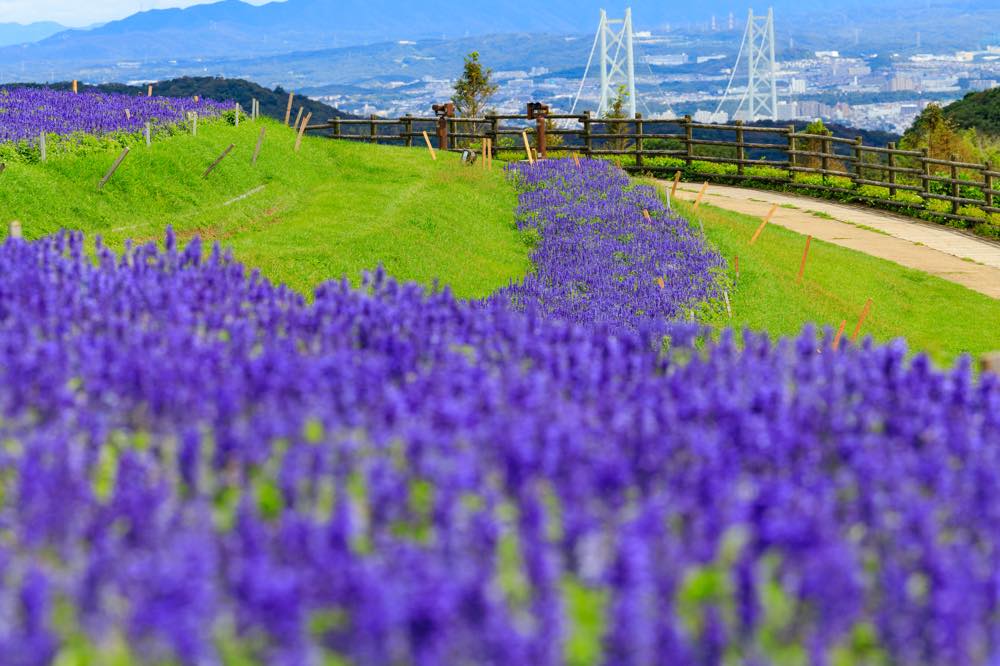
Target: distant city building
{"x":710,"y":117}
{"x":982,"y":84}
{"x":827,"y":54}
{"x":901,"y":82}
{"x":666,"y":60}
{"x":797,"y":86}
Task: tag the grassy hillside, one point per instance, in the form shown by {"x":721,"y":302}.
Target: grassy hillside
{"x":335,"y":208}
{"x":934,"y":315}
{"x":979,"y":110}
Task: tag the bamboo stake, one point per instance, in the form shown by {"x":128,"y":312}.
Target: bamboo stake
{"x":149,"y":90}
{"x":14,"y":229}
{"x":221,"y":157}
{"x":288,"y":109}
{"x":74,"y":87}
{"x":196,"y":99}
{"x":260,"y":142}
{"x":805,"y":255}
{"x":861,"y":321}
{"x":760,"y":229}
{"x":645,"y":214}
{"x":427,"y":140}
{"x":729,"y":307}
{"x":576,"y":160}
{"x":483,"y":165}
{"x":701,"y":193}
{"x":673,"y":190}
{"x":128,"y":114}
{"x":114,"y":167}
{"x":527,"y":147}
{"x":298,"y":117}
{"x":659,"y":281}
{"x":148,"y":132}
{"x":490,"y":154}
{"x":302,"y":130}
{"x":737,"y":262}
{"x":840,"y":334}
{"x":237,"y":110}
{"x":41,"y":146}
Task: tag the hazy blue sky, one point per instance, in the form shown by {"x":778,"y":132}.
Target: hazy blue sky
{"x":84,"y":12}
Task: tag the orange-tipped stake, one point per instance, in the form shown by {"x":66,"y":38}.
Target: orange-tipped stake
{"x":805,"y":255}
{"x":701,"y":193}
{"x":427,"y":140}
{"x":840,"y":334}
{"x":760,"y":229}
{"x":673,"y":190}
{"x":74,"y":87}
{"x":527,"y":147}
{"x":861,"y":321}
{"x":659,"y":281}
{"x":737,"y":266}
{"x":576,"y":160}
{"x":645,"y":214}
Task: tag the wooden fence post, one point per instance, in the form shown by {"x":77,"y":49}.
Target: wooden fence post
{"x":990,"y":363}
{"x":825,"y":148}
{"x":149,"y":90}
{"x":541,"y":139}
{"x":926,"y":166}
{"x":892,"y":169}
{"x":638,"y":140}
{"x":114,"y":167}
{"x":988,"y":184}
{"x":302,"y":130}
{"x":288,"y":109}
{"x":298,"y":117}
{"x":859,"y":156}
{"x":792,"y":161}
{"x":221,"y":157}
{"x":256,"y":150}
{"x":954,"y":184}
{"x":336,"y":128}
{"x":588,"y":140}
{"x":408,"y":130}
{"x":740,"y":148}
{"x":372,"y":128}
{"x":494,"y":135}
{"x":688,"y":141}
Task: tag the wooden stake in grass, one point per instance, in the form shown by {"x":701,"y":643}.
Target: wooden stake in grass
{"x":128,"y":114}
{"x":111,"y":171}
{"x":840,"y":334}
{"x":237,"y":114}
{"x":195,"y":99}
{"x":302,"y":130}
{"x":805,"y":255}
{"x":74,"y":87}
{"x":41,"y":146}
{"x":861,"y":321}
{"x":527,"y":147}
{"x":489,"y":154}
{"x":221,"y":157}
{"x":576,"y":160}
{"x":645,"y":214}
{"x":483,"y":165}
{"x":298,"y":116}
{"x":148,"y":134}
{"x":760,"y":229}
{"x":736,"y":263}
{"x":288,"y":109}
{"x":260,"y":142}
{"x":14,"y":229}
{"x":659,"y":281}
{"x":701,"y":193}
{"x":149,"y":90}
{"x":427,"y":140}
{"x":673,"y":190}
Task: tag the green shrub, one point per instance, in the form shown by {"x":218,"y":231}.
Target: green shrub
{"x":938,"y":206}
{"x":972,"y":211}
{"x":874,"y":191}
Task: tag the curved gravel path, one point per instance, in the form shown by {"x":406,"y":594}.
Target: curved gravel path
{"x":935,"y":249}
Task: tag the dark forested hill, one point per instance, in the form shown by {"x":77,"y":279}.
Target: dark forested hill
{"x":980,"y":110}
{"x":272,"y":102}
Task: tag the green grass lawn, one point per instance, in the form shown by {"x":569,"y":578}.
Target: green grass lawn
{"x":335,"y":208}
{"x":936,"y":316}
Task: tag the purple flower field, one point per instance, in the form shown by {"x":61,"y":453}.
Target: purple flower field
{"x":205,"y":467}
{"x":27,"y":112}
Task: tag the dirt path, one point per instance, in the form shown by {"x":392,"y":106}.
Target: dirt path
{"x":934,"y":249}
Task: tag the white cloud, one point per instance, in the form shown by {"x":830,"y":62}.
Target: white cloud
{"x":75,"y":13}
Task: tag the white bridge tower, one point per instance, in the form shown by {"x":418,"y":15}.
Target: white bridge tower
{"x":614,"y":37}
{"x":760,"y":98}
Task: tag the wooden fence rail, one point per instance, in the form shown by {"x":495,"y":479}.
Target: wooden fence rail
{"x":774,"y":155}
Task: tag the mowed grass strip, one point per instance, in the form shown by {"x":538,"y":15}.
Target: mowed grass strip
{"x":334,"y":208}
{"x":935,"y":316}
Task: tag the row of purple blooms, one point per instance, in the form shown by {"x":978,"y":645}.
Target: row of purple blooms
{"x":196,"y":461}
{"x":25,"y":113}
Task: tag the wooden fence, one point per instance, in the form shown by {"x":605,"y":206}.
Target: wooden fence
{"x":776,"y":156}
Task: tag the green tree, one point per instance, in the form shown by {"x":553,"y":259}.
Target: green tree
{"x":938,"y":133}
{"x":474,"y":88}
{"x":617,"y":113}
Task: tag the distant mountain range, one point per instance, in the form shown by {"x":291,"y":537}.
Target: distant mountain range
{"x":18,"y":33}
